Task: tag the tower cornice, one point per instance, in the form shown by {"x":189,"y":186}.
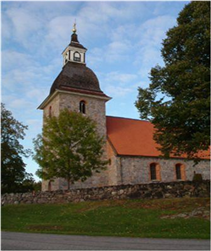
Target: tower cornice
{"x":72,"y":91}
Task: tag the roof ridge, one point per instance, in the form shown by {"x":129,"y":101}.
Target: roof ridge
{"x":128,"y":118}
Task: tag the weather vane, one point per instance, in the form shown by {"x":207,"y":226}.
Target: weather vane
{"x":74,"y":27}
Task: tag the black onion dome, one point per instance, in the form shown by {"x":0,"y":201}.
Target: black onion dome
{"x":74,"y":38}
{"x":74,"y":41}
{"x":77,"y":76}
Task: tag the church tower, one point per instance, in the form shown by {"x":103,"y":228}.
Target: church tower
{"x":76,"y":88}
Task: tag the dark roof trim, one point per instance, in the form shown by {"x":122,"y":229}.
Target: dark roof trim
{"x":76,"y":92}
{"x":98,"y":93}
{"x":74,"y":44}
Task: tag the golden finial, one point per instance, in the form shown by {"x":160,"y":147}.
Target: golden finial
{"x":74,"y":27}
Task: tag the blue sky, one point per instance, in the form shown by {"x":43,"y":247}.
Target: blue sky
{"x":123,"y":39}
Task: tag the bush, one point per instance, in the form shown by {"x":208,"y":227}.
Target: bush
{"x":197,"y":177}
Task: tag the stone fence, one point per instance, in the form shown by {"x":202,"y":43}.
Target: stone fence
{"x":141,"y":191}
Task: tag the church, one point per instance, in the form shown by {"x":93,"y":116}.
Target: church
{"x":130,"y":148}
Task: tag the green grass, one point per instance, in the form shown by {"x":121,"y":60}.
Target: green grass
{"x":134,"y":218}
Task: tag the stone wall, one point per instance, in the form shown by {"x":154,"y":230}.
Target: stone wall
{"x":136,"y":170}
{"x":112,"y":167}
{"x":54,"y":104}
{"x":142,"y":191}
{"x":95,"y":108}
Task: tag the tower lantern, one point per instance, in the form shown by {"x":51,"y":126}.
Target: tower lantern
{"x":74,"y":52}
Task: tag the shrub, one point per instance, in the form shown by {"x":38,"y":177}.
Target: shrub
{"x":197,"y":177}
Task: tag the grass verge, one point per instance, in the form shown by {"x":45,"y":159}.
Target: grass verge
{"x":131,"y":218}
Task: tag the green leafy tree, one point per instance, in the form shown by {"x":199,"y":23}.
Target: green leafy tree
{"x":13,"y":170}
{"x":29,"y":184}
{"x":69,"y":148}
{"x":177,"y":100}
{"x":37,"y":186}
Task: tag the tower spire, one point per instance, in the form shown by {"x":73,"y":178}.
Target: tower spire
{"x":74,"y":37}
{"x":74,"y":28}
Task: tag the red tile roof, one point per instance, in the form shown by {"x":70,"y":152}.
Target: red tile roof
{"x":133,"y":137}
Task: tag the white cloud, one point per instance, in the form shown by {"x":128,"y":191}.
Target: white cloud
{"x":6,"y":28}
{"x":151,"y":33}
{"x":117,"y":50}
{"x":96,"y":55}
{"x":16,"y":79}
{"x":58,"y":31}
{"x":13,"y":59}
{"x":113,"y":52}
{"x":120,"y":78}
{"x":24,"y":24}
{"x":117,"y":84}
{"x":115,"y":11}
{"x":34,"y":125}
{"x":154,"y":29}
{"x":20,"y":103}
{"x":144,"y":43}
{"x":37,"y":95}
{"x":23,"y":75}
{"x":142,"y":83}
{"x":31,"y":27}
{"x":117,"y":91}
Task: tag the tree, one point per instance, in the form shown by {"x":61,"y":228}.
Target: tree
{"x":177,"y":100}
{"x":29,"y":185}
{"x":37,"y":186}
{"x":13,"y":170}
{"x":69,"y":148}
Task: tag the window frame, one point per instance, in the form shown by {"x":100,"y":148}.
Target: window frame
{"x":178,"y":171}
{"x":75,"y":58}
{"x":182,"y":171}
{"x":153,"y":171}
{"x":82,"y":107}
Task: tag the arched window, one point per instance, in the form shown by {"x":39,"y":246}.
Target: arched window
{"x":50,"y":112}
{"x":178,"y":171}
{"x":77,"y":56}
{"x":153,"y":173}
{"x":82,"y":106}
